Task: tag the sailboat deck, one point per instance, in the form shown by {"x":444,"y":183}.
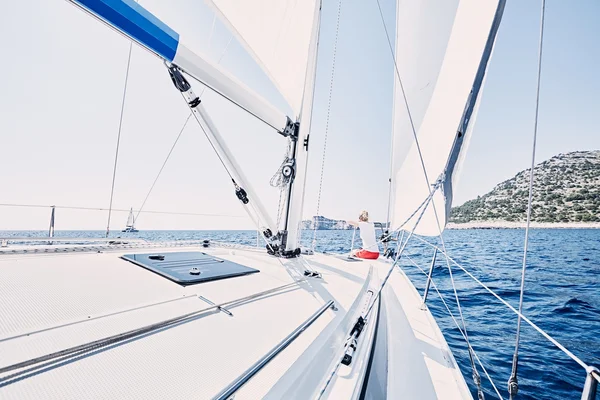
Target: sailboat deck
{"x":51,"y":302}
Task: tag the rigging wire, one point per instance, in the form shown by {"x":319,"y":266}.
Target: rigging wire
{"x":114,"y":175}
{"x":455,"y":322}
{"x":510,"y":307}
{"x":401,"y":246}
{"x":476,"y":376}
{"x":163,"y":165}
{"x":513,"y":386}
{"x":184,"y":125}
{"x":118,"y":210}
{"x":331,"y":80}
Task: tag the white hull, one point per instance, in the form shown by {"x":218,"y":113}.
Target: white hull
{"x":52,"y":302}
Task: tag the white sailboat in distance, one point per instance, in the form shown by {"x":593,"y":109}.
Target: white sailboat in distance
{"x":130,"y":226}
{"x":210,"y":320}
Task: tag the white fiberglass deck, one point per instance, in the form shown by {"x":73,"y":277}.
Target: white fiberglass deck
{"x":51,"y":302}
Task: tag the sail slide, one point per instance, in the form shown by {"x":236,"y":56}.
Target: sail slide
{"x":138,"y":24}
{"x":442,"y":78}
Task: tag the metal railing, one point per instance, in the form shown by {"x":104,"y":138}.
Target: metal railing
{"x":592,"y":373}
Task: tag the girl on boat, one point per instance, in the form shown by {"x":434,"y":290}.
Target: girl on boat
{"x":370,"y":249}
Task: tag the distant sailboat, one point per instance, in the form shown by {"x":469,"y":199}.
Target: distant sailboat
{"x":130,"y":227}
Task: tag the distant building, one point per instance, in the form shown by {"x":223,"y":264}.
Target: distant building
{"x":320,"y":222}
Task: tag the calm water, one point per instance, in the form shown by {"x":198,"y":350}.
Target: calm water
{"x":562,"y":296}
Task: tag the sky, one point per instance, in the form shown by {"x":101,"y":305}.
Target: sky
{"x":62,"y":79}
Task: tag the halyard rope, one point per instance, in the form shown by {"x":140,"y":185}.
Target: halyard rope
{"x":331,"y":79}
{"x":513,"y":387}
{"x":114,"y":175}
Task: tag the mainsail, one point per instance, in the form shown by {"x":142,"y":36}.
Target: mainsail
{"x":130,"y":219}
{"x":277,"y":33}
{"x":442,"y":51}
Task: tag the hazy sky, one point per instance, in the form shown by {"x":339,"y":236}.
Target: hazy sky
{"x":61,"y":82}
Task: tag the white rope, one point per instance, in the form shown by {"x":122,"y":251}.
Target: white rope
{"x":331,"y":79}
{"x":523,"y":317}
{"x":456,"y":323}
{"x":114,"y":175}
{"x":512,"y":382}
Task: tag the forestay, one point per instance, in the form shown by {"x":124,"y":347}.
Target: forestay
{"x":439,"y":49}
{"x":277,"y":34}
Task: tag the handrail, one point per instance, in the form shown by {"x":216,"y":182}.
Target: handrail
{"x":590,"y":387}
{"x":241,"y":380}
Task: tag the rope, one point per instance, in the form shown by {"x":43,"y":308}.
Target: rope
{"x":112,"y":188}
{"x":331,"y":80}
{"x":476,"y":377}
{"x":513,"y":386}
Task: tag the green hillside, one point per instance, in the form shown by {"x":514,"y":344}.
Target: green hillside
{"x":566,"y":189}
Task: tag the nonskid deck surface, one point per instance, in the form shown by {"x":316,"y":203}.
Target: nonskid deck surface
{"x":52,"y":302}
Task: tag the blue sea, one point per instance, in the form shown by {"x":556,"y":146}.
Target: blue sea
{"x":562,"y":296}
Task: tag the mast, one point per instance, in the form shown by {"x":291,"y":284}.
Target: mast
{"x":139,"y":25}
{"x":295,"y":198}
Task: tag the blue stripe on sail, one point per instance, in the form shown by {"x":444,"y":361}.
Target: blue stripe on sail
{"x":136,"y":22}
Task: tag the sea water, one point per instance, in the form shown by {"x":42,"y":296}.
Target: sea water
{"x":562,"y":296}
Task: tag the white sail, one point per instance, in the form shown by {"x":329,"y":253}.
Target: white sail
{"x":442,"y":50}
{"x":130,"y":219}
{"x":277,"y":34}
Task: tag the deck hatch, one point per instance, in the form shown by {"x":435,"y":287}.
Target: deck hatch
{"x":189,"y":267}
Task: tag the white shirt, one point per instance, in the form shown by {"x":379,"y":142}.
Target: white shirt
{"x":367,"y":234}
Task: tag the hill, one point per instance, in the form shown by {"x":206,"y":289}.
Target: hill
{"x":566,"y":190}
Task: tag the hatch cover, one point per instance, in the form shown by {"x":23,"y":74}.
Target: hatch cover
{"x":189,"y":267}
